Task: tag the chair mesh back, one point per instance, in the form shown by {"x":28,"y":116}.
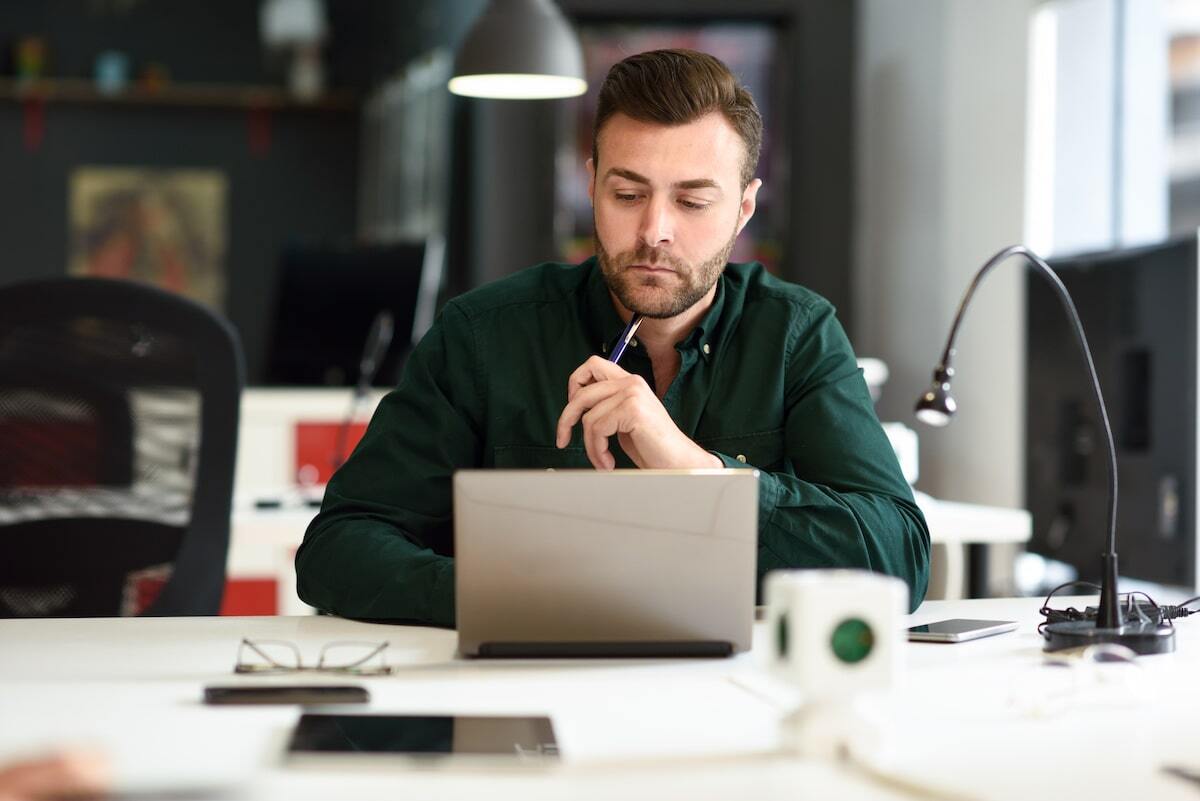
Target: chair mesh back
{"x":99,"y":439}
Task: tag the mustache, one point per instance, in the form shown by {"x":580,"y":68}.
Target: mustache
{"x":644,"y":254}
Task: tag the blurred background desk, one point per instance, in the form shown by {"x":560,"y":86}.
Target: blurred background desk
{"x":955,"y":526}
{"x":285,"y":454}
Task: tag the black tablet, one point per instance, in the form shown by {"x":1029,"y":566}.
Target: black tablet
{"x":529,"y":739}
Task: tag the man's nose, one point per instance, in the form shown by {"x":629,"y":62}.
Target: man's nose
{"x":657,"y":226}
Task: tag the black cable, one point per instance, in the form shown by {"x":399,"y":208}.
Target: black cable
{"x":1133,"y":607}
{"x":1059,"y":615}
{"x":1160,"y":614}
{"x":1053,"y":592}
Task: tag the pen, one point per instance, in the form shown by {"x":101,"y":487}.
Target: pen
{"x":626,"y":335}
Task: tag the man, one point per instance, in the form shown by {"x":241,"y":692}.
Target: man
{"x":730,"y":367}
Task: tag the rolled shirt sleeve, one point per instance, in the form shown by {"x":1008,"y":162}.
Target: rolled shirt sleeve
{"x":841,"y":499}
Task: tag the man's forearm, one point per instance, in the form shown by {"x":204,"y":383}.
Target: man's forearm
{"x":365,"y":569}
{"x":808,"y":525}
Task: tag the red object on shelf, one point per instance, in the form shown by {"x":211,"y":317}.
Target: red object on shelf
{"x":316,"y":450}
{"x":251,"y":596}
{"x":258,"y":131}
{"x":35,"y":123}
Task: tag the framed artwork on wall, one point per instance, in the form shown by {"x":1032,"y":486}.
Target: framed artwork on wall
{"x":165,"y":227}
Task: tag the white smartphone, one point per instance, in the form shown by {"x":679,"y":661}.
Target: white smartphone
{"x":959,"y":630}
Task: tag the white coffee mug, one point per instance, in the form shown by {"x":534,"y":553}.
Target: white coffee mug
{"x":834,"y":633}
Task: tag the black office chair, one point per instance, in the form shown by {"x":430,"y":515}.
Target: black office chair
{"x":118,"y":433}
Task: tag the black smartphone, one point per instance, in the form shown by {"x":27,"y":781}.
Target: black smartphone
{"x":307,"y":695}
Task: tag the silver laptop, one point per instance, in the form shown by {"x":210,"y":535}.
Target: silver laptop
{"x":622,"y":563}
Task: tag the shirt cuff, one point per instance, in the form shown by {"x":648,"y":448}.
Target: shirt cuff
{"x":768,"y":486}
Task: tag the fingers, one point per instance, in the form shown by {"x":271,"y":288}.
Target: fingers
{"x":584,"y":399}
{"x":589,"y":397}
{"x":599,"y":423}
{"x":594,"y":370}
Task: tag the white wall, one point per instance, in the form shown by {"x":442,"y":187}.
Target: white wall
{"x":940,"y":187}
{"x":1098,"y":133}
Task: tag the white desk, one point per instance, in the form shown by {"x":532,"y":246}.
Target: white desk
{"x":981,"y":720}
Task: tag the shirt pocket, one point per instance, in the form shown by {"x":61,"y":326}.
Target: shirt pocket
{"x":761,"y":449}
{"x":539,"y":457}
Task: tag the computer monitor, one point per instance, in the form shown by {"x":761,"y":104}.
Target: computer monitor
{"x":1139,"y":312}
{"x":327,"y":298}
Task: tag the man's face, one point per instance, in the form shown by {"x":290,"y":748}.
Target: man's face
{"x":668,"y":205}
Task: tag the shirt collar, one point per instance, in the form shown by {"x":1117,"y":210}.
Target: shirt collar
{"x":607,"y":325}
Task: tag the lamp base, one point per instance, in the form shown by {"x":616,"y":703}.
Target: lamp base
{"x":1141,"y":638}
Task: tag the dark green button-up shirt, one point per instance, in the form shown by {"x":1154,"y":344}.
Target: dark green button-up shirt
{"x":767,"y":379}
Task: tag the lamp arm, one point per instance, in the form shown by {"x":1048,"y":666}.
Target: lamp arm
{"x":1064,"y":297}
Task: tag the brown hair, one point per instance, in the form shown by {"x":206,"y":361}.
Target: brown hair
{"x":675,"y":87}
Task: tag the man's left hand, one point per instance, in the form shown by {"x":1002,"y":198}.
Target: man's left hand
{"x":609,"y":401}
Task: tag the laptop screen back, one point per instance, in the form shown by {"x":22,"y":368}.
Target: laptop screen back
{"x":652,"y":560}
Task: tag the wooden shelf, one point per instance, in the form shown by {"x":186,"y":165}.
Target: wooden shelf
{"x":228,"y":96}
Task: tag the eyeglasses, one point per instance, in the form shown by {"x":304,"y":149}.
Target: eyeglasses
{"x":1098,"y":654}
{"x":281,"y":656}
{"x":1094,"y":676}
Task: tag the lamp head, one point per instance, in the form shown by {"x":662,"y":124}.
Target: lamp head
{"x":936,"y":407}
{"x":520,"y":50}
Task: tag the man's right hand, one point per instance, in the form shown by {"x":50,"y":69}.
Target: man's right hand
{"x":608,"y":401}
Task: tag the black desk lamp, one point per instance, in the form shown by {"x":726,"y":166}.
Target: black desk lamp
{"x":379,"y":338}
{"x":936,"y":407}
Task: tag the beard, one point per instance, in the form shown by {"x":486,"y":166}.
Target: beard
{"x":652,"y":295}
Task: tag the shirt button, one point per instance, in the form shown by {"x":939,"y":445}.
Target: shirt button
{"x":633,"y":342}
{"x":705,"y":348}
{"x":741,"y":457}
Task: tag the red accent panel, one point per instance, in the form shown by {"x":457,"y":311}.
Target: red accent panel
{"x":69,"y":453}
{"x":316,"y":446}
{"x":251,"y":596}
{"x":142,"y":588}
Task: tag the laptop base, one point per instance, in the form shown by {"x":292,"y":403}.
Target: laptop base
{"x":604,"y":650}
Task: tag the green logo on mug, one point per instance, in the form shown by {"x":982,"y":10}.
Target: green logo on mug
{"x":852,"y":640}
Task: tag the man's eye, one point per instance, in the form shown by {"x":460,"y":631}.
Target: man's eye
{"x":626,"y":198}
{"x":692,"y":205}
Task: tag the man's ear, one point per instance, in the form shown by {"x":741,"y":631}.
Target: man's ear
{"x":591,"y":168}
{"x":749,"y":203}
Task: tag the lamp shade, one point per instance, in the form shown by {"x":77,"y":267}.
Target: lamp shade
{"x":937,"y":406}
{"x":519,"y":50}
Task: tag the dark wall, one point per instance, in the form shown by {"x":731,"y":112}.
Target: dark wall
{"x":303,"y":188}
